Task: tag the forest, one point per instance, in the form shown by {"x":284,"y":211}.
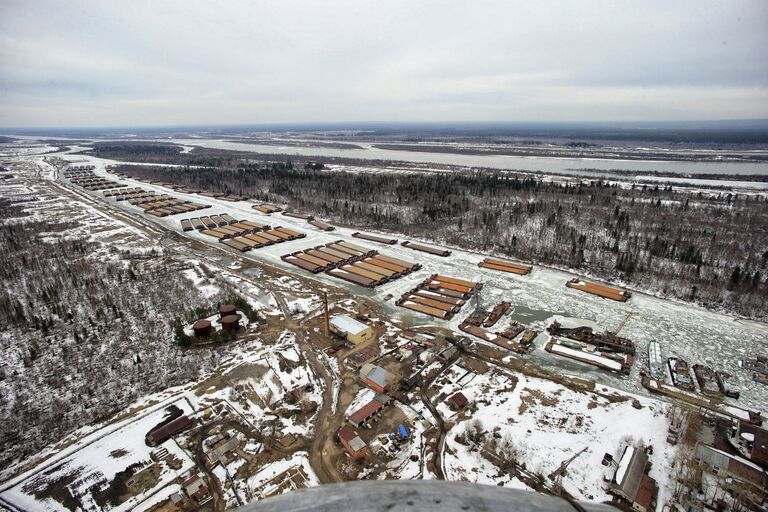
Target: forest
{"x":86,"y":332}
{"x":707,"y":247}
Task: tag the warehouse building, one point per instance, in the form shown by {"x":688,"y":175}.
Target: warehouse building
{"x":630,"y":481}
{"x":351,"y":329}
{"x":366,"y":413}
{"x":376,"y":377}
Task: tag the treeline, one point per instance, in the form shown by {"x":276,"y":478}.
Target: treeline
{"x":710,"y":248}
{"x":84,"y":334}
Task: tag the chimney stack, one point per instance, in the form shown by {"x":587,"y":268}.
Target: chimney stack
{"x":326,"y":321}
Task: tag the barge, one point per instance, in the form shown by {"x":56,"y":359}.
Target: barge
{"x":375,"y":238}
{"x":496,"y":313}
{"x":708,"y":381}
{"x":601,"y":290}
{"x":618,"y":363}
{"x":424,"y":248}
{"x":506,"y":266}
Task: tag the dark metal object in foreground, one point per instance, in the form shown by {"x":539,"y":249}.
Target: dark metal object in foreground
{"x":421,"y":496}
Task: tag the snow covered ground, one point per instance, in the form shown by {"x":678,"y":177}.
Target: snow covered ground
{"x":98,"y":461}
{"x":543,"y":424}
{"x":696,"y":334}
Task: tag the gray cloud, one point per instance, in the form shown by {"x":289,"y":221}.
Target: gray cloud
{"x":113,"y":63}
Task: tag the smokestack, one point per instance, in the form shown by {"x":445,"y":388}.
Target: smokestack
{"x":326,"y":321}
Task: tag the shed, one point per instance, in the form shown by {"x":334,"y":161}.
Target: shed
{"x":376,"y":377}
{"x":352,"y":442}
{"x":351,"y":329}
{"x":219,"y":453}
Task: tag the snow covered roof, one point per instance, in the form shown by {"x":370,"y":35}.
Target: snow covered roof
{"x":735,"y":466}
{"x":629,"y":475}
{"x":624,"y":464}
{"x":348,"y":324}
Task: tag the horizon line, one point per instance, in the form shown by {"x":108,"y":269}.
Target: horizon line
{"x":353,"y":124}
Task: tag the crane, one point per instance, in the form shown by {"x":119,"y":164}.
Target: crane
{"x":479,"y":309}
{"x":621,"y":325}
{"x":557,"y":475}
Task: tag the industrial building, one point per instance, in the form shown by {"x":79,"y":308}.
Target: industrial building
{"x":366,"y":413}
{"x":165,"y":432}
{"x":752,"y":441}
{"x":739,"y":474}
{"x":376,"y":377}
{"x":630,"y":482}
{"x":352,"y":442}
{"x":350,"y":329}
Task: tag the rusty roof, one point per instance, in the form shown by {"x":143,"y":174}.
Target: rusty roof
{"x":366,"y":411}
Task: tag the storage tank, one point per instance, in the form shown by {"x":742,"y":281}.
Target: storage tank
{"x":202,"y":328}
{"x":227,"y":310}
{"x":230,"y":323}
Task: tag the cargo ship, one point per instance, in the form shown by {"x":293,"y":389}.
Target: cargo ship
{"x":656,"y":361}
{"x":759,"y":364}
{"x":680,"y":374}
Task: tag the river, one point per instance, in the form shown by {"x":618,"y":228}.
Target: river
{"x":574,"y":166}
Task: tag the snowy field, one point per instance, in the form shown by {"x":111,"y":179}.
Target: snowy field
{"x":698,"y":335}
{"x":543,"y":424}
{"x":98,"y":461}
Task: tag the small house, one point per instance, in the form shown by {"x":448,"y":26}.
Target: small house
{"x":457,"y":401}
{"x":195,"y":487}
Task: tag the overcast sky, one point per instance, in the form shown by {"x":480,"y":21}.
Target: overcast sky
{"x":142,"y":63}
